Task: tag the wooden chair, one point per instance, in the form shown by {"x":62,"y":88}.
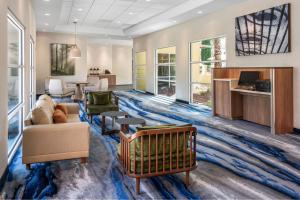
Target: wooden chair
{"x":158,"y":152}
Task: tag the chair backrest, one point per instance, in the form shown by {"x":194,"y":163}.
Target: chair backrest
{"x":104,"y":84}
{"x":56,"y":87}
{"x":47,"y":81}
{"x":94,"y":80}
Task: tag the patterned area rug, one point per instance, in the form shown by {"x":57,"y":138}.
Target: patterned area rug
{"x":232,"y":163}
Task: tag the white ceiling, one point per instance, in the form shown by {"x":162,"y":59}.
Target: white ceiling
{"x":119,"y":19}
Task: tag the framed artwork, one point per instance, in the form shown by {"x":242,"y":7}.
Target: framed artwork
{"x":263,"y":32}
{"x":61,"y":62}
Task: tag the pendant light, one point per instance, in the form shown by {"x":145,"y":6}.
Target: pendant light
{"x":75,"y":51}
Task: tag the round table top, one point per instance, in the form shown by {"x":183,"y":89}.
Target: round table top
{"x":131,"y":121}
{"x":114,"y":114}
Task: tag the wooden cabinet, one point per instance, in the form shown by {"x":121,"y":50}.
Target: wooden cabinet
{"x":111,"y":78}
{"x":274,"y":109}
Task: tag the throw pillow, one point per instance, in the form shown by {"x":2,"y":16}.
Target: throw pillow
{"x":62,"y":107}
{"x":39,"y":116}
{"x":59,"y":117}
{"x":101,"y":99}
{"x":49,"y":100}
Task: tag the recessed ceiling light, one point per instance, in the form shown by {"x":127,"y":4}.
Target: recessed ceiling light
{"x":174,"y":21}
{"x":130,"y":13}
{"x":47,"y":14}
{"x":46,"y":24}
{"x":75,"y":20}
{"x":119,"y":22}
{"x":148,"y":0}
{"x":200,"y":12}
{"x":47,"y":0}
{"x":80,"y":9}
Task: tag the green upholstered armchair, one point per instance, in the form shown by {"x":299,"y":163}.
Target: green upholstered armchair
{"x":159,"y":151}
{"x":99,"y":102}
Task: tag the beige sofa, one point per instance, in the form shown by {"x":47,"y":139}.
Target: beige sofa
{"x":48,"y":141}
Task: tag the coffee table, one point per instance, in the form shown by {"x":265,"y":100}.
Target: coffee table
{"x":113,"y":115}
{"x":125,"y":122}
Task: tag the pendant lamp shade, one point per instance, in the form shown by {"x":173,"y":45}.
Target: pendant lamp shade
{"x":75,"y":51}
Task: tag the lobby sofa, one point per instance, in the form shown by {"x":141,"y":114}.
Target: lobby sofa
{"x":51,"y":142}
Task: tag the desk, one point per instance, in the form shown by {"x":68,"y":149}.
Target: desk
{"x":274,"y":109}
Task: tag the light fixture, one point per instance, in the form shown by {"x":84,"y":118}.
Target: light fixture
{"x":148,"y":0}
{"x":130,"y":13}
{"x":80,"y":9}
{"x":46,"y":0}
{"x":46,"y":24}
{"x":75,"y":51}
{"x":174,"y":21}
{"x":119,"y":22}
{"x":47,"y":14}
{"x":200,"y":12}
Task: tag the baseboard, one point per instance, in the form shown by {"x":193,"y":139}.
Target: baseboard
{"x":297,"y":130}
{"x":182,"y":101}
{"x":3,"y":178}
{"x":149,"y":93}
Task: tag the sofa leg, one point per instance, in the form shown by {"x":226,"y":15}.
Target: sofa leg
{"x":83,"y":160}
{"x":187,"y":178}
{"x":28,"y":166}
{"x":137,"y":185}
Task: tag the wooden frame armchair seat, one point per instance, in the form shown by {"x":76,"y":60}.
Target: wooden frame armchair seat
{"x":158,"y":152}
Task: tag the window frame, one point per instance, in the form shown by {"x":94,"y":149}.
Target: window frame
{"x":32,"y":75}
{"x":169,"y":64}
{"x":191,"y":63}
{"x":19,"y":108}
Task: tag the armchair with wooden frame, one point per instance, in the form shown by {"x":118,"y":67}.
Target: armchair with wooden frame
{"x":158,"y":152}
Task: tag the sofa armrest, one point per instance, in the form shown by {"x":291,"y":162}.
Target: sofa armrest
{"x":55,"y":138}
{"x":73,"y":108}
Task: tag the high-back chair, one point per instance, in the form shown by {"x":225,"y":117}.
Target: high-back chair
{"x":93,"y":80}
{"x":157,"y":152}
{"x":57,"y":88}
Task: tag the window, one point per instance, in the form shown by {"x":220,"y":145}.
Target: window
{"x":204,"y":55}
{"x":166,"y":71}
{"x":32,"y":75}
{"x":140,"y":71}
{"x":15,"y":81}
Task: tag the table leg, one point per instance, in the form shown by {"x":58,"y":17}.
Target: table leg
{"x":103,"y":125}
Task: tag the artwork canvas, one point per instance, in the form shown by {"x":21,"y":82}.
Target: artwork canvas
{"x":61,"y":62}
{"x":263,"y":32}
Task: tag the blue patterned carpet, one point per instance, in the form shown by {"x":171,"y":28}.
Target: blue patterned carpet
{"x":233,"y":163}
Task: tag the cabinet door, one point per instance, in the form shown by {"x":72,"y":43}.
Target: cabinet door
{"x":222,"y":98}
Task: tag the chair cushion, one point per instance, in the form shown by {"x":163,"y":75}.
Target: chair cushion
{"x":98,"y":109}
{"x":62,"y":107}
{"x":91,"y":99}
{"x":59,"y":117}
{"x":101,"y":99}
{"x":39,"y":116}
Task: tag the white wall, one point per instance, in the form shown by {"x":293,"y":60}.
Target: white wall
{"x":44,"y":62}
{"x":100,"y":56}
{"x":221,"y":23}
{"x":23,"y":11}
{"x":122,"y":64}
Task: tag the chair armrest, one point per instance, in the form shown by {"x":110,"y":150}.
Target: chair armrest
{"x":73,"y":108}
{"x":56,"y":138}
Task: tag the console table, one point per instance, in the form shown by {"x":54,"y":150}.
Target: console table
{"x":111,"y":78}
{"x":273,"y":109}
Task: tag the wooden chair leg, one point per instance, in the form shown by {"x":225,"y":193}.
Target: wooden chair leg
{"x":28,"y":166}
{"x":83,"y":160}
{"x":137,"y":185}
{"x":187,"y":178}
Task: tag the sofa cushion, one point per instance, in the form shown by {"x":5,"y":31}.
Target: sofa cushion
{"x":59,"y":117}
{"x":98,"y":109}
{"x":101,"y":99}
{"x":49,"y":100}
{"x":62,"y":107}
{"x":39,"y":116}
{"x":71,"y":118}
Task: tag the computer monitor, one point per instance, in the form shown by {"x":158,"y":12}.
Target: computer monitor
{"x":248,"y":78}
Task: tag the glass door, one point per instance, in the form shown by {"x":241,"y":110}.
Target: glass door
{"x":166,"y":72}
{"x":205,"y":55}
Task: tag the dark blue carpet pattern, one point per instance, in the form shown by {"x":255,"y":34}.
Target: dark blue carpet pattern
{"x":232,"y":163}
